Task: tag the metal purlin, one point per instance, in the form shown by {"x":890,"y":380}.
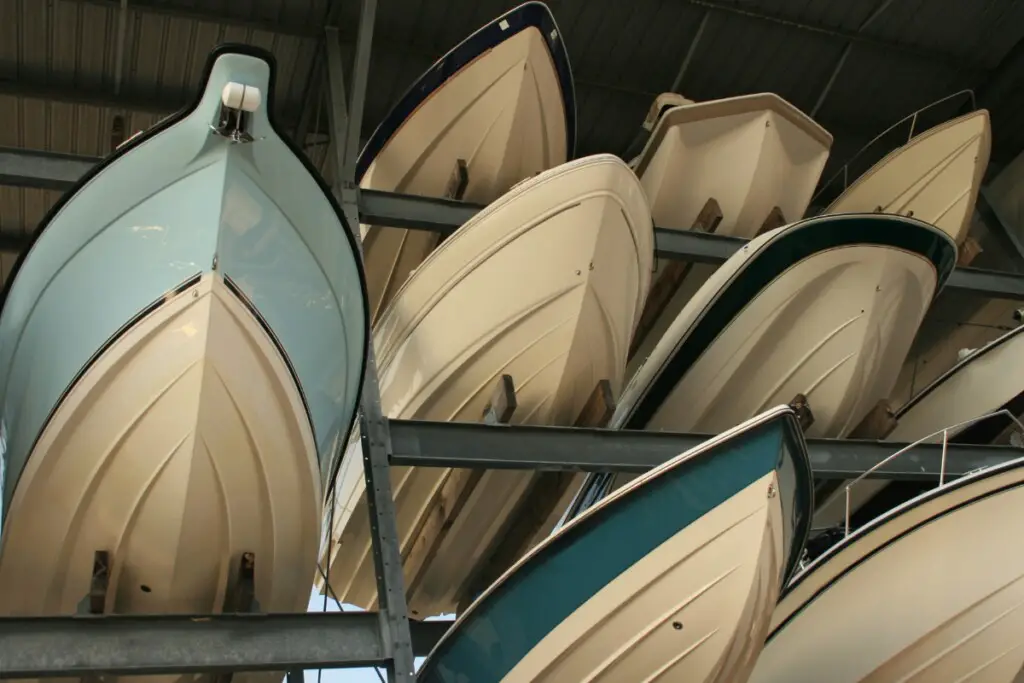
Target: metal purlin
{"x":345,"y":124}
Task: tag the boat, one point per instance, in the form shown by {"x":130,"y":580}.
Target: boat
{"x":963,"y":322}
{"x":672,"y":577}
{"x":181,"y":352}
{"x":544,"y":285}
{"x":987,"y":381}
{"x":819,"y":313}
{"x":934,"y":177}
{"x":932,"y":590}
{"x":732,"y":167}
{"x":498,"y":108}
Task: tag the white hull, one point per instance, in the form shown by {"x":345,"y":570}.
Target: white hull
{"x":935,"y":177}
{"x":718,"y":577}
{"x":184,"y":445}
{"x":750,"y":153}
{"x":502,"y":113}
{"x":933,"y":593}
{"x":834,"y":327}
{"x":545,"y":285}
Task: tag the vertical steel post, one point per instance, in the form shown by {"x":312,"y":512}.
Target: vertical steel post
{"x":376,"y":438}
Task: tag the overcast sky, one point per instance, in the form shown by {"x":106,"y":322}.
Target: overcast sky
{"x":316,"y":604}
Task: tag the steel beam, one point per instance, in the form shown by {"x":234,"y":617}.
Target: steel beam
{"x":43,"y":170}
{"x":1003,"y":232}
{"x":845,"y":54}
{"x":25,"y":168}
{"x":445,"y":216}
{"x":53,"y":647}
{"x":27,"y":85}
{"x":567,"y":449}
{"x":374,"y":432}
{"x":956,"y":62}
{"x":987,"y":283}
{"x":290,"y":26}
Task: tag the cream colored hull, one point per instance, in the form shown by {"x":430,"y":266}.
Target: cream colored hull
{"x":545,"y":285}
{"x":184,"y":445}
{"x":979,"y":385}
{"x":834,"y":327}
{"x":503,"y":114}
{"x":934,"y":594}
{"x":718,"y":577}
{"x":990,"y":320}
{"x":749,"y":153}
{"x":935,"y":177}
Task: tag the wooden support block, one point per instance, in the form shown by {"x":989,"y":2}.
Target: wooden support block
{"x":535,"y":511}
{"x":967,"y":252}
{"x":458,"y":181}
{"x":671,"y":277}
{"x":453,"y":494}
{"x":598,"y":409}
{"x":447,"y":505}
{"x":240,"y":597}
{"x":877,"y":424}
{"x":503,"y":403}
{"x":774,"y":220}
{"x":95,"y":601}
{"x":803,"y":411}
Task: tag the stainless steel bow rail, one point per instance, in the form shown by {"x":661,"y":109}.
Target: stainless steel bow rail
{"x":944,"y":455}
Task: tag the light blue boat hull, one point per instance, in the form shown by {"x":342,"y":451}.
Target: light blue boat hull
{"x":174,"y":203}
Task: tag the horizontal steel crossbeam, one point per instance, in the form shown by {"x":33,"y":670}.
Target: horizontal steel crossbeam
{"x":48,"y":647}
{"x":442,"y":444}
{"x":24,"y":168}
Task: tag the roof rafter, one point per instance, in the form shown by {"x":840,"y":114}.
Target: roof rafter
{"x":298,"y":26}
{"x":936,"y":56}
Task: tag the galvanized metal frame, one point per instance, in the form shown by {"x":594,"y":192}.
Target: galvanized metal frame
{"x":345,"y":124}
{"x":568,"y":449}
{"x":48,"y":647}
{"x":74,"y":646}
{"x":54,"y":647}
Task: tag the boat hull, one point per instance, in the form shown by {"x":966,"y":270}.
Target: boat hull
{"x":577,"y":243}
{"x":827,"y":308}
{"x":501,"y":102}
{"x":582,"y":606}
{"x":989,"y":380}
{"x":951,"y":586}
{"x":199,"y":387}
{"x":750,"y":154}
{"x":181,"y":351}
{"x":935,"y":177}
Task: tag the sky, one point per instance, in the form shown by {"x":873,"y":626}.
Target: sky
{"x":316,"y":604}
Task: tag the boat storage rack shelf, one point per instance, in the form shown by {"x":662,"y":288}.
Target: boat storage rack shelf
{"x":82,"y":645}
{"x":72,"y":646}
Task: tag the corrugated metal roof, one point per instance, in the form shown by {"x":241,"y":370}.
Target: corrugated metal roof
{"x":622,"y":53}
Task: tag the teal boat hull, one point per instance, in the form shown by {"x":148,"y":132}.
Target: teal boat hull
{"x":607,"y":597}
